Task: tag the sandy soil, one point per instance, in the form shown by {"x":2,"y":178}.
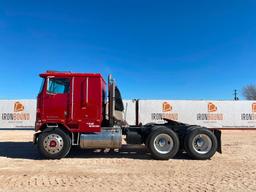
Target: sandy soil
{"x":130,"y":169}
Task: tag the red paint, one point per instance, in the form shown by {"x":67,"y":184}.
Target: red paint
{"x":53,"y":143}
{"x":80,"y":109}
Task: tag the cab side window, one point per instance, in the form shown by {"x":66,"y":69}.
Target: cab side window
{"x":58,"y":85}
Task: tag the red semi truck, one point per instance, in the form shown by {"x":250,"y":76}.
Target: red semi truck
{"x":73,"y":110}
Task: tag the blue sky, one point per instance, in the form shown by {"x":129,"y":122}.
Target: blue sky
{"x":155,"y":49}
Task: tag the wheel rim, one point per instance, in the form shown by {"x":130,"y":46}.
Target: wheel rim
{"x":202,"y":143}
{"x":163,"y":143}
{"x":53,"y":143}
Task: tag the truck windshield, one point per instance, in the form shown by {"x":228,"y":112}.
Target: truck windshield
{"x":42,"y":85}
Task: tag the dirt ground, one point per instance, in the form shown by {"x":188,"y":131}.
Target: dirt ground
{"x":130,"y":169}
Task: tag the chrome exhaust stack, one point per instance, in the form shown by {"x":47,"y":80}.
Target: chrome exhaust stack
{"x":107,"y":138}
{"x":111,"y":100}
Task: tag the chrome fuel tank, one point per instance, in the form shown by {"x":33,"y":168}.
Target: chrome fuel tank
{"x":107,"y":138}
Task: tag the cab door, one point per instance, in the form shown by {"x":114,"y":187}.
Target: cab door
{"x":56,"y":99}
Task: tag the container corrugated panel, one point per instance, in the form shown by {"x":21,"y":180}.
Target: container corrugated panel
{"x":211,"y":114}
{"x":129,"y":111}
{"x":17,"y":113}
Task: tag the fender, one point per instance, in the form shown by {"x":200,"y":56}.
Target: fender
{"x":47,"y":128}
{"x":35,"y":136}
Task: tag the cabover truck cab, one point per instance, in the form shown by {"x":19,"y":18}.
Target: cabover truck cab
{"x":73,"y":110}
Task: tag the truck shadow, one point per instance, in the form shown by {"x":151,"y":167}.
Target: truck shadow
{"x":19,"y":150}
{"x":26,"y":150}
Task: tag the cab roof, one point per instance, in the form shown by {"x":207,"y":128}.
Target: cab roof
{"x":69,"y":74}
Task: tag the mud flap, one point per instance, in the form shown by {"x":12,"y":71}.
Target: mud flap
{"x":35,"y":136}
{"x":217,"y":134}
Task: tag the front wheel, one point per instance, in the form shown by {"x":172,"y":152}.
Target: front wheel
{"x":200,"y":143}
{"x":54,"y":144}
{"x":163,"y":143}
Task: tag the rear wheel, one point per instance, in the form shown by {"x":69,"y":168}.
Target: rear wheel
{"x":163,"y":143}
{"x":201,"y":143}
{"x":54,"y":144}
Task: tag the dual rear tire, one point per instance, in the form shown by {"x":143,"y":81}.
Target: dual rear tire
{"x":163,"y":143}
{"x":199,"y":143}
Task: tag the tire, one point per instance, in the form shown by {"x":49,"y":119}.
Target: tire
{"x":54,"y":144}
{"x":163,"y":143}
{"x":188,"y":131}
{"x":148,"y":135}
{"x":200,"y":143}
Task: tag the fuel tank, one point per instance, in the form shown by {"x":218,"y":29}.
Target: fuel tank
{"x":109,"y":137}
